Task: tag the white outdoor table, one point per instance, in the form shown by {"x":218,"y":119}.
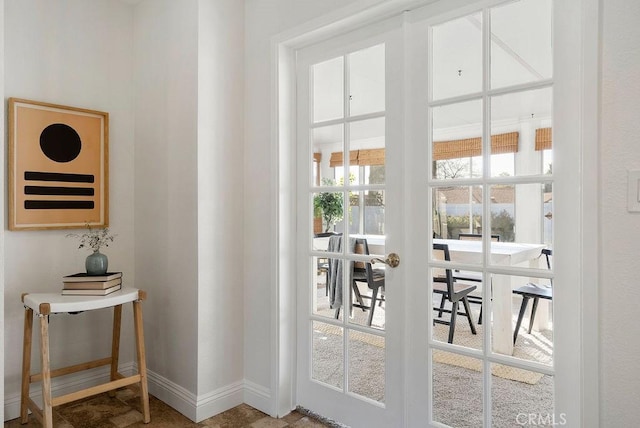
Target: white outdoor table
{"x":45,"y":304}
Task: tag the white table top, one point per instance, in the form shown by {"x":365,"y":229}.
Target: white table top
{"x":49,"y":303}
{"x":468,"y":251}
{"x":463,"y":251}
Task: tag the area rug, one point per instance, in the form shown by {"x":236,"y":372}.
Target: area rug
{"x":537,"y":347}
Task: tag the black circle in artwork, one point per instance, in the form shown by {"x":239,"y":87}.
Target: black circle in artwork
{"x":60,"y":142}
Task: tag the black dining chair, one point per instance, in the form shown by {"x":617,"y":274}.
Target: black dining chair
{"x":374,"y":278}
{"x":361,"y":272}
{"x":451,"y":291}
{"x":535,"y":292}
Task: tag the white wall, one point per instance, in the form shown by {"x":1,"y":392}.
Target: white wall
{"x":620,"y":230}
{"x":171,"y":76}
{"x":74,"y":53}
{"x":220,"y":199}
{"x":166,"y":186}
{"x":189,"y":186}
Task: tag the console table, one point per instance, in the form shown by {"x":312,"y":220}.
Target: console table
{"x":45,"y":304}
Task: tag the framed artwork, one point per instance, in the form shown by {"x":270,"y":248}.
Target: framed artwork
{"x":58,"y":166}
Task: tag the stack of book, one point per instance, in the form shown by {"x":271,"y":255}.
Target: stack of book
{"x":83,"y":284}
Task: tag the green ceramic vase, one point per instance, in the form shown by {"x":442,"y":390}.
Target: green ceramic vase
{"x":96,"y":263}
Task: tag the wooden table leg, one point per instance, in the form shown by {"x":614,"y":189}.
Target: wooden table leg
{"x":47,"y":411}
{"x":115,"y":344}
{"x":26,"y":364}
{"x":142,"y":365}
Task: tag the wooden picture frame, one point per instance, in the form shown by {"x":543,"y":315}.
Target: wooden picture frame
{"x":58,"y":166}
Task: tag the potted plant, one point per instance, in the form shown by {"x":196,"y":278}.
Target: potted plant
{"x":96,"y":263}
{"x":328,"y":205}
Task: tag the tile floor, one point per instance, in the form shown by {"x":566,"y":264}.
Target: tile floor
{"x":122,"y":411}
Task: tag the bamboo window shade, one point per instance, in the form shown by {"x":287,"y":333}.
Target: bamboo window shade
{"x":452,"y":149}
{"x":358,"y":157}
{"x":543,"y":138}
{"x":469,"y":147}
{"x":371,"y":157}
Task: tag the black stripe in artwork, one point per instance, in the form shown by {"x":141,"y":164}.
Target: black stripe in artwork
{"x":58,"y":205}
{"x":59,"y":191}
{"x":56,"y":176}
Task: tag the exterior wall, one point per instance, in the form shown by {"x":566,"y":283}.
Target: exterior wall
{"x":75,"y":53}
{"x":620,"y":230}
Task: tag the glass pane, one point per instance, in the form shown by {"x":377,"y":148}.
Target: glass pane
{"x":547,"y":161}
{"x":457,"y":390}
{"x":374,"y":213}
{"x":455,"y":318}
{"x":367,"y":299}
{"x":522,"y":398}
{"x":503,"y":212}
{"x":367,"y":139}
{"x":534,"y":339}
{"x":374,"y":174}
{"x":457,"y":57}
{"x":457,"y":140}
{"x":327,"y":153}
{"x":503,"y":165}
{"x":328,"y":90}
{"x":366,"y":365}
{"x":327,"y":354}
{"x":521,"y":42}
{"x":522,"y":213}
{"x":328,"y":214}
{"x":547,"y":214}
{"x":458,"y":209}
{"x":515,"y":119}
{"x":366,"y":217}
{"x":321,"y":266}
{"x":366,"y":81}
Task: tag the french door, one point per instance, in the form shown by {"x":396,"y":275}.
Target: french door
{"x":349,"y":104}
{"x":434,"y":129}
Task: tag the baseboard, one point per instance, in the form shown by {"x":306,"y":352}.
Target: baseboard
{"x":218,"y":401}
{"x":196,"y":408}
{"x":258,"y":397}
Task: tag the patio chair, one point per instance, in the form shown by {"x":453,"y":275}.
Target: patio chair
{"x":535,"y":292}
{"x":449,"y":290}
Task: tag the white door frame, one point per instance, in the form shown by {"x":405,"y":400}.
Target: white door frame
{"x":580,"y":138}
